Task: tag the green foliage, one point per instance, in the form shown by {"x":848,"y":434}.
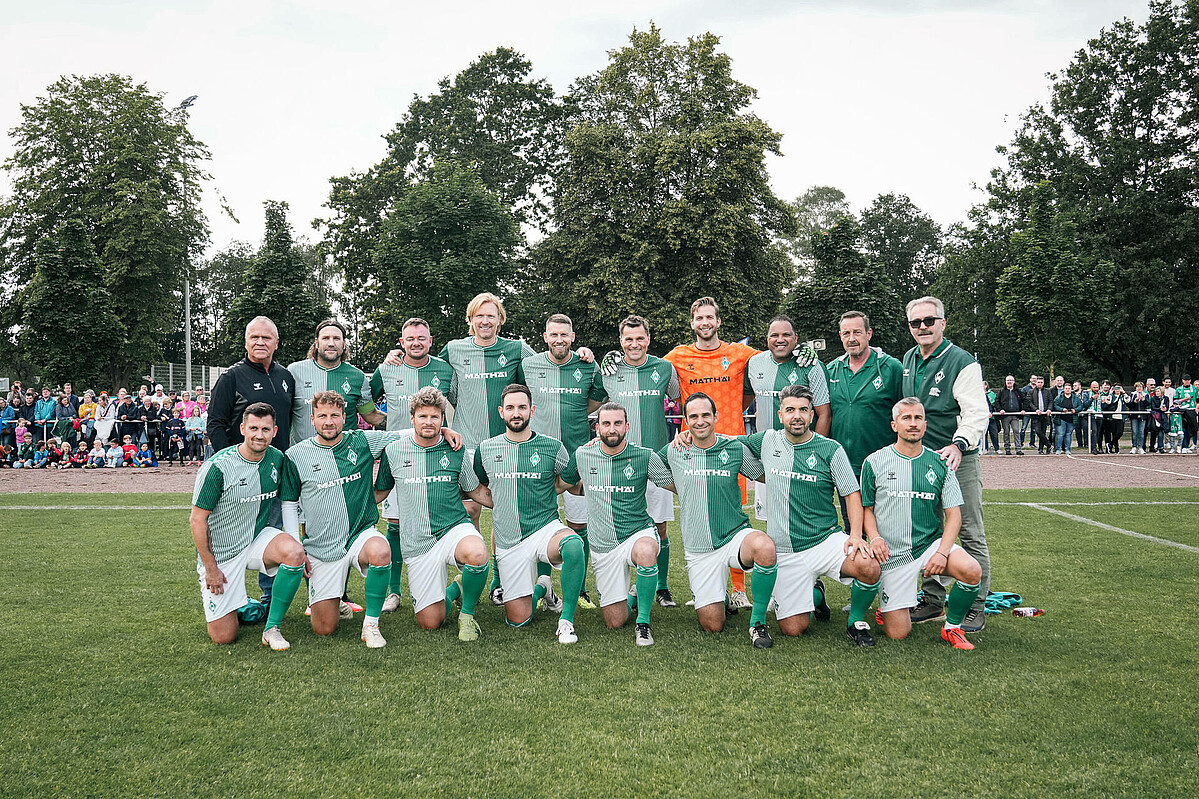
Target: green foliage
{"x":280,"y":282}
{"x":844,"y":279}
{"x":446,"y":240}
{"x":70,"y":319}
{"x":106,"y":152}
{"x":903,"y":241}
{"x":816,"y":210}
{"x":664,"y":196}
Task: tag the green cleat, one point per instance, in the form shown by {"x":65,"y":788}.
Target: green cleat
{"x":468,"y":628}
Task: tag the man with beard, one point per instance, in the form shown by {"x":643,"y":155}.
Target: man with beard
{"x":522,"y":468}
{"x":325,"y":369}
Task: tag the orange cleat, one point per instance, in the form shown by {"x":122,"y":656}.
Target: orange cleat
{"x":955,"y":637}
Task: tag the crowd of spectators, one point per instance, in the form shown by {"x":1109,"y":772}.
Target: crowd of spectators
{"x":1053,"y":419}
{"x":50,"y":429}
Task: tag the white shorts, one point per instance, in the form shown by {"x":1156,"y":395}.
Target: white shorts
{"x":427,"y":573}
{"x":708,"y":572}
{"x":575,"y":508}
{"x":391,"y":505}
{"x":518,"y":565}
{"x":660,"y":503}
{"x":612,"y":569}
{"x":797,"y":573}
{"x":898,"y":587}
{"x":761,"y":498}
{"x":328,"y":578}
{"x":234,"y":596}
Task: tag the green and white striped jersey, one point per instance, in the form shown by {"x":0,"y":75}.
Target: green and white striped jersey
{"x":522,"y":477}
{"x":482,"y":375}
{"x":642,"y":390}
{"x":333,"y":487}
{"x":310,"y":378}
{"x":765,"y":378}
{"x":615,"y":490}
{"x":426,"y":480}
{"x":399,"y":383}
{"x":908,"y":496}
{"x":238,"y":494}
{"x":561,"y":393}
{"x":800,"y":478}
{"x":709,"y":491}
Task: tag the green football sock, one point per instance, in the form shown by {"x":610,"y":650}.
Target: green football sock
{"x":632,"y":601}
{"x":574,"y":572}
{"x":287,"y":581}
{"x":763,"y":584}
{"x":860,"y":598}
{"x":961,"y":597}
{"x":452,"y":593}
{"x":817,"y":596}
{"x":495,"y":573}
{"x":543,"y":569}
{"x":377,"y":580}
{"x":663,"y":564}
{"x":647,"y":580}
{"x":397,"y":557}
{"x":473,"y":580}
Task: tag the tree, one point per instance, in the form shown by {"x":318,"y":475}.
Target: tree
{"x":106,"y":152}
{"x":816,"y":210}
{"x":664,"y":195}
{"x":445,"y":241}
{"x":842,"y":280}
{"x":70,"y":320}
{"x":279,"y":283}
{"x":904,"y":241}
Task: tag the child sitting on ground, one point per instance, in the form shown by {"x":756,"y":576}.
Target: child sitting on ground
{"x":115,"y":456}
{"x":41,"y":457}
{"x":95,"y":459}
{"x":79,"y":457}
{"x":144,"y":458}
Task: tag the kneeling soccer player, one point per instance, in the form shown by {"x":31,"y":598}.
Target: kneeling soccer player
{"x":614,"y":475}
{"x":328,"y":476}
{"x":906,"y":488}
{"x":716,"y":532}
{"x":522,"y":470}
{"x":802,"y":469}
{"x":230,"y":507}
{"x":434,"y":528}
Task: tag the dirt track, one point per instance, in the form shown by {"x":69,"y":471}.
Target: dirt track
{"x":1029,"y":471}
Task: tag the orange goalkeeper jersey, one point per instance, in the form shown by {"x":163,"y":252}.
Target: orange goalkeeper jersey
{"x":719,"y":373}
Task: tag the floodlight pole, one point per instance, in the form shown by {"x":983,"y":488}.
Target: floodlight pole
{"x":187,"y":297}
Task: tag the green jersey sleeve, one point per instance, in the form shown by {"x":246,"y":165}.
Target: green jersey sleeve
{"x":289,"y":482}
{"x":598,"y":392}
{"x":843,"y":473}
{"x":561,"y":460}
{"x":570,"y":475}
{"x":480,"y":472}
{"x":378,"y":440}
{"x":376,"y":385}
{"x":673,"y":387}
{"x":209,"y":487}
{"x":366,"y":402}
{"x":751,"y":466}
{"x":753,"y":443}
{"x":385,"y":481}
{"x":467,"y":480}
{"x":868,"y":484}
{"x":659,"y":472}
{"x":951,"y":491}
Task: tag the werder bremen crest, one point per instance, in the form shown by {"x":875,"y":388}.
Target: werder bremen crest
{"x":724,"y":363}
{"x":812,"y":461}
{"x":345,"y":386}
{"x":536,"y":459}
{"x":724,"y":456}
{"x":655,"y":376}
{"x":352,"y":456}
{"x":435,"y":382}
{"x":939,"y":376}
{"x":628,"y":472}
{"x":577,"y":374}
{"x":878,"y":383}
{"x":502,"y":360}
{"x":793,"y":377}
{"x":931,"y":476}
{"x":445,"y":461}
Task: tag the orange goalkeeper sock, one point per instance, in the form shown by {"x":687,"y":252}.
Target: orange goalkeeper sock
{"x":738,"y":579}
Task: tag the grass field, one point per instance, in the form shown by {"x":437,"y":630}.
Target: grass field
{"x":112,"y":688}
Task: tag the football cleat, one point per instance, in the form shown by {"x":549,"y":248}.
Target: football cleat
{"x":392,"y":603}
{"x":497,"y":595}
{"x":273,"y":638}
{"x":956,"y":638}
{"x":585,"y":600}
{"x":468,"y":628}
{"x":345,"y":610}
{"x":552,"y":602}
{"x":566,"y":632}
{"x":372,"y":637}
{"x":859,"y":633}
{"x":822,"y":612}
{"x":643,"y":636}
{"x":665,"y":599}
{"x":975,"y":621}
{"x":740,"y":600}
{"x":759,"y":634}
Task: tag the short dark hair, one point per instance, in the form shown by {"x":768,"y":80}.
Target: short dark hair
{"x":797,"y":391}
{"x":632,"y":320}
{"x":702,"y":301}
{"x":329,"y":398}
{"x":783,"y":318}
{"x":413,"y":322}
{"x":560,"y":319}
{"x":854,"y":315}
{"x":612,"y":406}
{"x":259,"y":410}
{"x":698,"y":395}
{"x":516,"y":388}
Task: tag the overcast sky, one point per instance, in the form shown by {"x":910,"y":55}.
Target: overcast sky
{"x":870,"y":96}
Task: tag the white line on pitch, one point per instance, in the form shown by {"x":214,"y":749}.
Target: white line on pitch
{"x":1074,"y":457}
{"x":95,"y":507}
{"x":1093,"y":504}
{"x":1114,"y":529}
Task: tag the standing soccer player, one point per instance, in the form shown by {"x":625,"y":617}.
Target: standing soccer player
{"x":949,"y":383}
{"x":521,"y":468}
{"x":325,"y":369}
{"x":564,"y":392}
{"x":716,"y":532}
{"x":802,"y":469}
{"x":397,"y":383}
{"x":640,"y":383}
{"x":906,"y":490}
{"x":328,"y":476}
{"x":614,"y":477}
{"x":231,"y":506}
{"x":435,"y":530}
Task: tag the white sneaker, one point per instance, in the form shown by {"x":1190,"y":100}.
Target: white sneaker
{"x":552,"y":602}
{"x":643,"y":636}
{"x":273,"y":638}
{"x":690,"y":603}
{"x":344,"y":611}
{"x":392,"y":603}
{"x":740,"y":601}
{"x":373,"y":638}
{"x":566,"y":632}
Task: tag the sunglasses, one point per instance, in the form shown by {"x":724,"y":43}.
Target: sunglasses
{"x":927,"y":321}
